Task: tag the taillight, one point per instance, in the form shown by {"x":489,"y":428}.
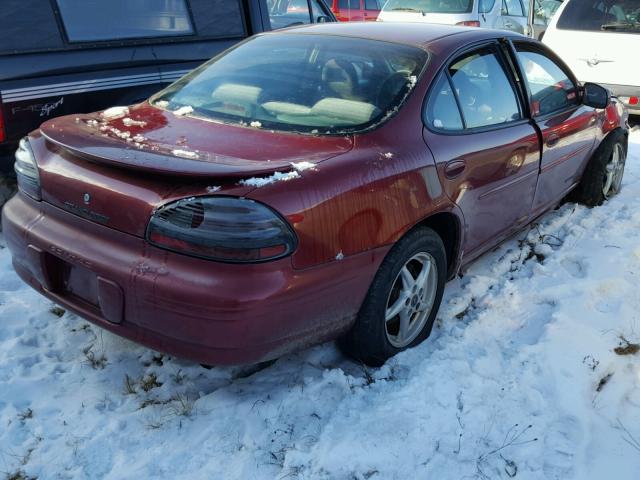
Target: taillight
{"x":469,"y":23}
{"x":27,"y":170}
{"x":227,"y":229}
{"x":629,"y":100}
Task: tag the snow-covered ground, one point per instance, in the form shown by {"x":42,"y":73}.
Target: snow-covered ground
{"x":519,"y":379}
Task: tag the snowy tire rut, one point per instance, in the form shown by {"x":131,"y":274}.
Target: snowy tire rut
{"x":519,"y":379}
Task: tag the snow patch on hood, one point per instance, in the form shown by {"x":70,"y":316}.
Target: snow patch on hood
{"x":185,"y":153}
{"x":276,"y":177}
{"x":302,"y":166}
{"x":130,"y":122}
{"x":115,"y":112}
{"x":182,"y":111}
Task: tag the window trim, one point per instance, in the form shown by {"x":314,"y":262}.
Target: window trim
{"x":539,"y":48}
{"x":523,"y":106}
{"x":70,"y":45}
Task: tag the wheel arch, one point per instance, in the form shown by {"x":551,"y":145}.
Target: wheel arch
{"x":448,"y":226}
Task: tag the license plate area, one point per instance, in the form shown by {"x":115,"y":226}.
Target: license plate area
{"x":80,"y":282}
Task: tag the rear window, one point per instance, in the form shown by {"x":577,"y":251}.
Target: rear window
{"x":95,"y":20}
{"x":303,"y":83}
{"x":17,"y":17}
{"x":429,"y":6}
{"x":599,"y":15}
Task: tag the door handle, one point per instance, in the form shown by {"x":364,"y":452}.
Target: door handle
{"x":454,"y":168}
{"x":552,"y":140}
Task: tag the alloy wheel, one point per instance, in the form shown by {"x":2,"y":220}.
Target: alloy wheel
{"x":411,"y":299}
{"x":614,"y":172}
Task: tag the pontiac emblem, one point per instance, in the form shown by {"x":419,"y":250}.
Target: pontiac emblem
{"x":86,"y":198}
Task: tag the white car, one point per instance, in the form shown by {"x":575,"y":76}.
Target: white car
{"x":500,"y":14}
{"x":599,"y":40}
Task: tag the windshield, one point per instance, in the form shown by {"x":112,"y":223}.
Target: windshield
{"x":601,"y":15}
{"x":299,"y":82}
{"x":429,"y":6}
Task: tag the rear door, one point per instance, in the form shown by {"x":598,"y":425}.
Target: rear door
{"x":486,"y":150}
{"x":568,"y":128}
{"x":513,"y":16}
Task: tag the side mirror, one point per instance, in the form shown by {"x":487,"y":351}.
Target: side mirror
{"x":595,"y":96}
{"x":322,"y":19}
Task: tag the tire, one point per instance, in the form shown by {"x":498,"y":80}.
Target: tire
{"x":602,"y":178}
{"x":373,"y":338}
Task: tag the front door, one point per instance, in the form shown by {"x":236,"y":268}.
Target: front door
{"x":486,"y":150}
{"x":568,"y":127}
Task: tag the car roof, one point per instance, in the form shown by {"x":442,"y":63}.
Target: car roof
{"x":418,"y":34}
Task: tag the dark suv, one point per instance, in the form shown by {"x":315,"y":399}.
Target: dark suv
{"x":71,"y":56}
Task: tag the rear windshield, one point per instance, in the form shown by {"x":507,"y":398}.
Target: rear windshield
{"x":429,"y":6}
{"x":299,"y":82}
{"x":601,"y":15}
{"x":91,"y":20}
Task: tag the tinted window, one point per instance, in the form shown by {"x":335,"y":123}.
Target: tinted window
{"x":18,"y":22}
{"x":442,"y":110}
{"x":551,"y":89}
{"x":429,"y":6}
{"x":512,"y":7}
{"x":485,"y":6}
{"x":94,"y":20}
{"x":484,"y":91}
{"x":285,"y":13}
{"x":597,"y":15}
{"x":305,"y":83}
{"x":543,"y":10}
{"x":371,"y":5}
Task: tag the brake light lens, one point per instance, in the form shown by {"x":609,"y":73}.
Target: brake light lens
{"x":226,"y":229}
{"x":27,"y":170}
{"x":469,"y":23}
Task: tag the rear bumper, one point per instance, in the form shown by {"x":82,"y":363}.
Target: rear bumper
{"x":624,"y":92}
{"x":205,"y":311}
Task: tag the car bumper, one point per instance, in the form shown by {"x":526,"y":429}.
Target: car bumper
{"x":624,"y":93}
{"x":209,"y":312}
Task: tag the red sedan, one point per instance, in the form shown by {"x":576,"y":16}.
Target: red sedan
{"x":317,"y":183}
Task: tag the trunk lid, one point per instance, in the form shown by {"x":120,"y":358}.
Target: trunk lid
{"x":157,"y":141}
{"x":118,"y":172}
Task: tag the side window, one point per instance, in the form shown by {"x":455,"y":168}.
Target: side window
{"x":346,"y":4}
{"x":119,"y":19}
{"x":286,"y":13}
{"x":484,"y":92}
{"x":551,"y":88}
{"x":371,"y":5}
{"x":442,"y":111}
{"x":512,"y":7}
{"x":485,"y":6}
